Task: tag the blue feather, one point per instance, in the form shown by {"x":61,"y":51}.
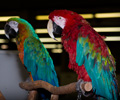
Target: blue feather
{"x":38,"y":61}
{"x":103,"y":81}
{"x":80,"y":57}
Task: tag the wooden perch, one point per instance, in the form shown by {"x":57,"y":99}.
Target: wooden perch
{"x":67,"y":89}
{"x":32,"y":95}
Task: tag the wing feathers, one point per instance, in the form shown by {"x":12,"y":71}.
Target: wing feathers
{"x":98,"y":67}
{"x":38,"y":61}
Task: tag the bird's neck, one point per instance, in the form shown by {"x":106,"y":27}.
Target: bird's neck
{"x":20,"y":41}
{"x":24,"y":32}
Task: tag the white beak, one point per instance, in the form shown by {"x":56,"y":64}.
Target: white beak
{"x":50,"y":29}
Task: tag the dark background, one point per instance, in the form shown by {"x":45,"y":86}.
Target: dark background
{"x":29,"y":9}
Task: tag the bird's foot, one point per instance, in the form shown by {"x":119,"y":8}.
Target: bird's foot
{"x":84,"y":88}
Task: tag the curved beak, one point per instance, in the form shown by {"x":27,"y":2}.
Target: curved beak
{"x":9,"y":32}
{"x":6,"y":28}
{"x":53,"y":28}
{"x":50,"y":29}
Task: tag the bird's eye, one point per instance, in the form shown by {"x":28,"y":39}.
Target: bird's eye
{"x":60,"y":18}
{"x":15,"y":23}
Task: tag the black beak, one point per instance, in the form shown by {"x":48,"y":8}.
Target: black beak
{"x":57,"y":29}
{"x":9,"y":32}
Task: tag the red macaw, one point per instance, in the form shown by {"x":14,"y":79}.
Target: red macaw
{"x":89,"y":56}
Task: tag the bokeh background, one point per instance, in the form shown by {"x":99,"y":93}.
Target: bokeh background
{"x":103,"y":15}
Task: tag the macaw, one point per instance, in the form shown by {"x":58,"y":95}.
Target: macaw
{"x":89,"y":56}
{"x":32,"y":52}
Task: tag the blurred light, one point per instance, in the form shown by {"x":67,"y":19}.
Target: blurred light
{"x":108,"y":38}
{"x":5,"y":18}
{"x":87,"y":16}
{"x":56,"y":50}
{"x":44,"y":40}
{"x":107,"y":15}
{"x":59,"y":46}
{"x":50,"y":40}
{"x":41,"y":17}
{"x":51,"y":46}
{"x":98,"y":29}
{"x":4,"y":46}
{"x":107,"y":29}
{"x":2,"y":32}
{"x":41,"y":31}
{"x":13,"y":40}
{"x":45,"y":17}
{"x":112,"y":38}
{"x":4,"y":41}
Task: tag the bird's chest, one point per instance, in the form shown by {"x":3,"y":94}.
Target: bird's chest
{"x":70,"y":47}
{"x":20,"y":47}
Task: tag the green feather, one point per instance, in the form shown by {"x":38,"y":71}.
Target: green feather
{"x":98,"y":67}
{"x":38,"y":61}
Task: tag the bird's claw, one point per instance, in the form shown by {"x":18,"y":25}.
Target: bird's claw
{"x":81,"y":90}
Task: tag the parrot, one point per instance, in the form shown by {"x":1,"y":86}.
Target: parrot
{"x":32,"y":52}
{"x":89,"y":55}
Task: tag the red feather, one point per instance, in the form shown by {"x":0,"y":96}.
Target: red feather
{"x":77,"y":26}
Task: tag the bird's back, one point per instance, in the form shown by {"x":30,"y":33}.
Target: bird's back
{"x":38,"y":61}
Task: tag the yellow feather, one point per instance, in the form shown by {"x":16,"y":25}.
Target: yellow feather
{"x":106,"y":61}
{"x":99,"y":57}
{"x":93,"y":54}
{"x":80,"y":40}
{"x":90,"y":47}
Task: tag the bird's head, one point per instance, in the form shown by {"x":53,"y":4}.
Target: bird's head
{"x":60,"y":20}
{"x":13,"y":27}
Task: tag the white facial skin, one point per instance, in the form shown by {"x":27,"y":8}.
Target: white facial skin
{"x":60,"y":21}
{"x":13,"y":25}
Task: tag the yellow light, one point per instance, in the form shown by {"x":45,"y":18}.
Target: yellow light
{"x":5,"y":18}
{"x":107,"y":29}
{"x":51,"y":46}
{"x":87,"y":16}
{"x":41,"y":31}
{"x":56,"y":50}
{"x":13,"y":40}
{"x":44,"y":40}
{"x":107,"y":15}
{"x":112,"y":38}
{"x":50,"y":40}
{"x":4,"y":46}
{"x":45,"y":17}
{"x":4,"y":41}
{"x":2,"y":32}
{"x":98,"y":29}
{"x":41,"y":17}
